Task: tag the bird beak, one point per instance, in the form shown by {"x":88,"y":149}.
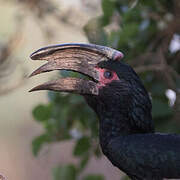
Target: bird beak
{"x":82,"y":58}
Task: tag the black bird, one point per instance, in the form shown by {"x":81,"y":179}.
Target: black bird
{"x":117,"y":95}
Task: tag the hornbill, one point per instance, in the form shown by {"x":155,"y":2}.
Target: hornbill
{"x":115,"y":92}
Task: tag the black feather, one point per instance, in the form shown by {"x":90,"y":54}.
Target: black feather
{"x":127,"y":135}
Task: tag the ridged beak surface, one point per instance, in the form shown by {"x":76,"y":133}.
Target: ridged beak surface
{"x":82,"y":58}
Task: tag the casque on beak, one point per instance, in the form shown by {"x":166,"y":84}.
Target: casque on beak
{"x":82,"y":58}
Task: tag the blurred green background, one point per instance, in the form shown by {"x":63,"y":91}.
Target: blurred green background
{"x":47,"y":135}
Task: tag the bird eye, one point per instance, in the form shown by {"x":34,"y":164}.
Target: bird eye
{"x":108,"y":74}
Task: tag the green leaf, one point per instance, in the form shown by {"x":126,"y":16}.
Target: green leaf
{"x":38,"y":142}
{"x":160,"y":109}
{"x":84,"y":162}
{"x":125,"y":178}
{"x":82,"y":146}
{"x":42,"y":112}
{"x":128,"y":32}
{"x":108,"y":9}
{"x":93,"y":177}
{"x":67,"y":172}
{"x":158,"y":88}
{"x":132,"y":15}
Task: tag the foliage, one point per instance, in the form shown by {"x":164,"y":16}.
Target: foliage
{"x":70,"y":172}
{"x":143,"y":31}
{"x":62,"y":120}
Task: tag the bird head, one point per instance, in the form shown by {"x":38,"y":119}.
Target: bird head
{"x":82,"y":58}
{"x":113,"y":90}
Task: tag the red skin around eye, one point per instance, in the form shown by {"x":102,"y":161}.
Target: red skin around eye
{"x":102,"y":80}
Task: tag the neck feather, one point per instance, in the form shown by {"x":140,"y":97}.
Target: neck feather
{"x":112,"y":125}
{"x":121,"y":122}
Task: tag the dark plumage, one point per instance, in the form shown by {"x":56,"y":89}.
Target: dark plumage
{"x":122,"y":104}
{"x":146,"y":156}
